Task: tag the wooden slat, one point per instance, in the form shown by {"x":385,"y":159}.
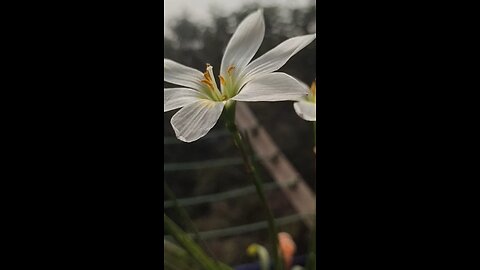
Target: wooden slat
{"x":294,"y":187}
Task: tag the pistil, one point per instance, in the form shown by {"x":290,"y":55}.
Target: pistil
{"x":211,"y":83}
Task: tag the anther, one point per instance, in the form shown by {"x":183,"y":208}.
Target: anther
{"x":207,"y":76}
{"x":222,"y":80}
{"x":208,"y":83}
{"x":230,"y":70}
{"x":211,"y":76}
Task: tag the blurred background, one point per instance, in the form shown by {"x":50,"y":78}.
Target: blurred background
{"x":209,"y":173}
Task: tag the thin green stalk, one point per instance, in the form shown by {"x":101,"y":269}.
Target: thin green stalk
{"x":186,"y":219}
{"x":189,"y":245}
{"x":181,"y":211}
{"x":257,"y":181}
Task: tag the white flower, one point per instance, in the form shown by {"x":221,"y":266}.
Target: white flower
{"x":202,"y":102}
{"x":306,"y":106}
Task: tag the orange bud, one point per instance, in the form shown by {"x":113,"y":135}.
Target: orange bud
{"x":313,"y":88}
{"x":287,"y":248}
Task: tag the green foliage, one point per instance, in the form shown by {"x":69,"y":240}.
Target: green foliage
{"x":176,"y":258}
{"x":194,"y":251}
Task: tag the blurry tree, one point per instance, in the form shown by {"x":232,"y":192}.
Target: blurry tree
{"x":195,"y":45}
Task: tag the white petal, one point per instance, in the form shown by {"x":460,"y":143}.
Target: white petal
{"x":174,"y":98}
{"x":277,"y":57}
{"x":244,"y":43}
{"x":306,"y":110}
{"x":179,"y":74}
{"x":195,"y":120}
{"x":305,"y":87}
{"x":272,"y":87}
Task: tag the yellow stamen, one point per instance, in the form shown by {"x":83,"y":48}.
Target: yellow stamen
{"x":313,"y":88}
{"x":210,"y":85}
{"x":209,"y":80}
{"x":211,"y":77}
{"x":206,"y":75}
{"x":222,"y":80}
{"x":230,"y":70}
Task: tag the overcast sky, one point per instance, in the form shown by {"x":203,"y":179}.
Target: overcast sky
{"x":198,"y":10}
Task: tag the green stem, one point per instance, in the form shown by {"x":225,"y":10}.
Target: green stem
{"x":189,"y":245}
{"x":181,"y":211}
{"x":257,"y":181}
{"x":187,"y":221}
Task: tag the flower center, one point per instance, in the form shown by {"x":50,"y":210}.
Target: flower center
{"x":227,"y":85}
